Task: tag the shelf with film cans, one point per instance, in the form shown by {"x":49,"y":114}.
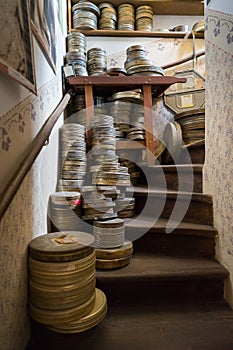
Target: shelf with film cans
{"x":157,"y":7}
{"x":107,"y":85}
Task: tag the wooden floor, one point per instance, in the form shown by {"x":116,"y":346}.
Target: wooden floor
{"x":156,"y":326}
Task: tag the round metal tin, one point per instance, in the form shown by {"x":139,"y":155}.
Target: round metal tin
{"x":61,"y":246}
{"x":105,"y":264}
{"x":54,"y":317}
{"x":92,"y":319}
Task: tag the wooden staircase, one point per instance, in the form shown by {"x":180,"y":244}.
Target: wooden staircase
{"x":171,"y":294}
{"x":176,"y":265}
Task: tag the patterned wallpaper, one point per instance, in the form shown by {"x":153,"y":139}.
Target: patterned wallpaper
{"x":26,"y":216}
{"x":19,"y":125}
{"x":218,"y":171}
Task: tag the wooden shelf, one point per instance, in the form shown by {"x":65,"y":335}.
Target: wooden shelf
{"x":107,"y":85}
{"x":164,"y":7}
{"x":136,"y":33}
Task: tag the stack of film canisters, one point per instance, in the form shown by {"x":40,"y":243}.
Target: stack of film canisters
{"x":126,"y":17}
{"x":144,"y":18}
{"x":73,"y":156}
{"x":65,"y":211}
{"x":109,"y":233}
{"x":62,"y":282}
{"x":95,"y":206}
{"x":96,"y":61}
{"x":108,"y":16}
{"x":136,"y":55}
{"x":114,"y":258}
{"x":192,"y":124}
{"x":85,"y":15}
{"x":76,"y":52}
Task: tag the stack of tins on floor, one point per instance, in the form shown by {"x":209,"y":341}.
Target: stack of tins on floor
{"x":62,"y":282}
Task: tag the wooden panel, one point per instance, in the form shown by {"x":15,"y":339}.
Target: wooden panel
{"x":136,"y":33}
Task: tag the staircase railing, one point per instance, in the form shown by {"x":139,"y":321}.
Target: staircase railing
{"x":183,"y":60}
{"x":9,"y":191}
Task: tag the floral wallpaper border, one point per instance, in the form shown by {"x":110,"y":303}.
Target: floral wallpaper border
{"x":30,"y":110}
{"x":219,"y":30}
{"x":159,"y":50}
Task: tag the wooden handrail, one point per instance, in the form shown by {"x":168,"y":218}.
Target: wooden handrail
{"x":183,"y":60}
{"x":30,"y":156}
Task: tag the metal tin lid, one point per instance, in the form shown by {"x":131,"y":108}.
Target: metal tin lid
{"x":135,"y":48}
{"x":146,"y":68}
{"x":88,"y":6}
{"x":127,"y":95}
{"x":103,"y":5}
{"x":61,"y":246}
{"x":110,"y":223}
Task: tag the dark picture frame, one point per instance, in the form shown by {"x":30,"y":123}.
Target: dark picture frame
{"x":42,"y":14}
{"x":16,"y":51}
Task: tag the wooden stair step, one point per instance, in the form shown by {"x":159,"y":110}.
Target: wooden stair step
{"x":185,"y":325}
{"x":161,"y":276}
{"x":185,"y":177}
{"x":186,"y":239}
{"x":195,"y":207}
{"x":184,"y":228}
{"x":165,"y":267}
{"x":194,"y":152}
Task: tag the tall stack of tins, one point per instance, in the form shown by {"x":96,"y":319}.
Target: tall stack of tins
{"x":108,"y":16}
{"x":62,"y":282}
{"x":76,"y":52}
{"x":96,"y":61}
{"x":73,"y":157}
{"x":192,"y":124}
{"x":126,"y":17}
{"x":109,"y":175}
{"x":65,"y":211}
{"x":144,"y":18}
